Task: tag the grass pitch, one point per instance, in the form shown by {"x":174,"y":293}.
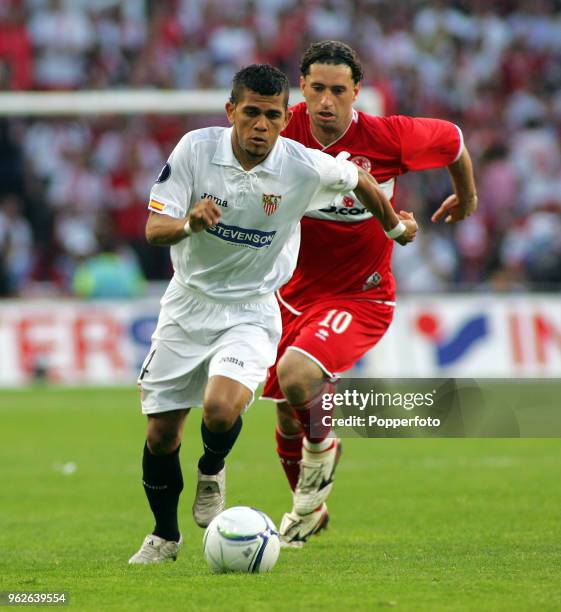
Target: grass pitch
{"x":416,"y":524}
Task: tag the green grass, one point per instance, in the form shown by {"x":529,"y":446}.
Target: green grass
{"x":416,"y":524}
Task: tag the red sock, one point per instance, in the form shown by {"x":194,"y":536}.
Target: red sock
{"x":289,"y":450}
{"x":311,"y":413}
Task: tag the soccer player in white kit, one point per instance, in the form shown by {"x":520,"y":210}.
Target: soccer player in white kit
{"x":229,"y":202}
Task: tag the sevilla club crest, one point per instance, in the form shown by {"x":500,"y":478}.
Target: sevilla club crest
{"x":271,"y":203}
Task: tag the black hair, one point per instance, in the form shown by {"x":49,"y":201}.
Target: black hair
{"x":331,"y":52}
{"x":263,"y":79}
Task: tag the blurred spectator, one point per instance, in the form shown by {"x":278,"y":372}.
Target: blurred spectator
{"x":532,"y":249}
{"x":16,"y":246}
{"x":15,"y":48}
{"x":428,"y":267}
{"x":62,"y":34}
{"x":498,"y":188}
{"x":113,"y":272}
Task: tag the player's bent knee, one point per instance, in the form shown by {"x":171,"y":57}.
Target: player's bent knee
{"x":298,"y":377}
{"x":165,"y":431}
{"x":163,"y":440}
{"x":219,"y":414}
{"x":224,"y":401}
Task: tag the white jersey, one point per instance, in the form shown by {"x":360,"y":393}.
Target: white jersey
{"x":241,"y":258}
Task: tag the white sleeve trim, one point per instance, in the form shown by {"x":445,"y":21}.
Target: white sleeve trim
{"x":287,"y":305}
{"x":461,"y":143}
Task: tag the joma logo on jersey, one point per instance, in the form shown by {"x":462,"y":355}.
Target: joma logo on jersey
{"x":271,"y":203}
{"x":241,"y":236}
{"x":217,"y":200}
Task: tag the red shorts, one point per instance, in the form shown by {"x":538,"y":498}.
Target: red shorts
{"x":335,"y":334}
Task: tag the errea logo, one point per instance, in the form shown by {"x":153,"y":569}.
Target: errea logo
{"x":372,"y":281}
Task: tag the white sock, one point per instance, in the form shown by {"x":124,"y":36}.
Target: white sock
{"x":318,"y":447}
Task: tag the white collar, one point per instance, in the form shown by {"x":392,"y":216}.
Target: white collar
{"x":224,"y":155}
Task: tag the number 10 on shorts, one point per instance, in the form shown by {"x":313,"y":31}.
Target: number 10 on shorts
{"x":337,"y":320}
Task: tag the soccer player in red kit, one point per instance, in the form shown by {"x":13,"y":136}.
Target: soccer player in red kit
{"x":336,"y":308}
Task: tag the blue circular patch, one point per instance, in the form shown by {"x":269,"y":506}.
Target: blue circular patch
{"x":164,"y":174}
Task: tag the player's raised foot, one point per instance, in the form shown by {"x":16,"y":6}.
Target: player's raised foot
{"x":316,"y":477}
{"x":295,"y":530}
{"x":156,"y":550}
{"x":210,"y":497}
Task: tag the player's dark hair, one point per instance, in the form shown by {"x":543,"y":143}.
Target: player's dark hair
{"x":331,"y":52}
{"x":263,"y":79}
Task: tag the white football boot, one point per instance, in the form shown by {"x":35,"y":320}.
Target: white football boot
{"x":316,"y":478}
{"x":210,"y":497}
{"x":295,"y":530}
{"x":156,"y":550}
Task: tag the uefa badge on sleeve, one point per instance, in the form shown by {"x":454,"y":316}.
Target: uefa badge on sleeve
{"x":271,"y":203}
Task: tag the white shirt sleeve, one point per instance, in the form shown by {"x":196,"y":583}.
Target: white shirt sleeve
{"x":337,"y":178}
{"x":171,"y":193}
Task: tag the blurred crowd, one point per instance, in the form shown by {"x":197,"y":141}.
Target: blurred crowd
{"x":74,"y":190}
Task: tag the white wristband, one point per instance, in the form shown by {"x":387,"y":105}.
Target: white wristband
{"x":187,"y":229}
{"x":396,"y":231}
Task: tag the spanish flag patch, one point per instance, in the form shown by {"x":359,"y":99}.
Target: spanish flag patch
{"x":156,"y":205}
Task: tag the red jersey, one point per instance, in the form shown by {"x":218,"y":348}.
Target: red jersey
{"x":343,"y":248}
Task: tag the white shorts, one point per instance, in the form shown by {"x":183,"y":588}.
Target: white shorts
{"x":197,"y":338}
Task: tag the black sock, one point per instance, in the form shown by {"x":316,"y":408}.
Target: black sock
{"x":163,"y":482}
{"x":217,"y":446}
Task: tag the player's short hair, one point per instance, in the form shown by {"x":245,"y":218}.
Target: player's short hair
{"x":263,"y":79}
{"x":331,"y":52}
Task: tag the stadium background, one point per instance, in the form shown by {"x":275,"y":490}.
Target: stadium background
{"x":73,"y":189}
{"x":433,"y":524}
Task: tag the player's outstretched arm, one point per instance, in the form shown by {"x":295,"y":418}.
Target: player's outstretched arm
{"x":400,"y":228}
{"x":463,"y":201}
{"x":163,"y":230}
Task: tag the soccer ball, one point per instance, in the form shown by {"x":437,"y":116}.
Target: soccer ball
{"x":241,"y":539}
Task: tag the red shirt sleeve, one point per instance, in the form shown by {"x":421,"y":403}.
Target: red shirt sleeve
{"x":296,"y":127}
{"x":426,"y":143}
